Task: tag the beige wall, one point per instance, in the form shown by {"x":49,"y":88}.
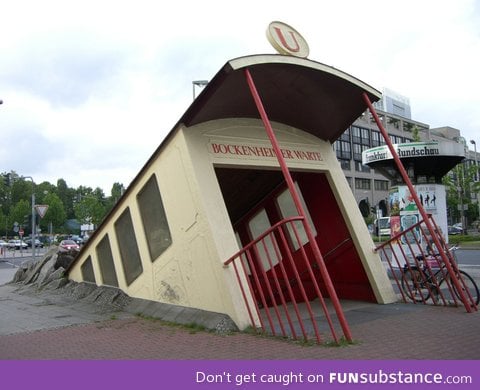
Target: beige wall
{"x":253,"y":133}
{"x":190,"y":272}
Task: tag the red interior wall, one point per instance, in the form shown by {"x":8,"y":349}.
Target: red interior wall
{"x":344,"y":264}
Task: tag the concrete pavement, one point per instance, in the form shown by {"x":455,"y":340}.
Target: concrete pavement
{"x":43,"y":325}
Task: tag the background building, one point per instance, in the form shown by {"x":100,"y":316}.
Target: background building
{"x":372,"y":187}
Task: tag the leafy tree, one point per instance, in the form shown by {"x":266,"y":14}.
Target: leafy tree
{"x":5,"y":224}
{"x":416,"y":134}
{"x":66,"y":195}
{"x":459,"y":184}
{"x":20,"y":189}
{"x":89,"y":210}
{"x":55,"y":215}
{"x":65,"y":204}
{"x":116,"y":193}
{"x":21,"y":213}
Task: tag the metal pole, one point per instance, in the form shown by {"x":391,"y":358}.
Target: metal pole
{"x":33,"y":215}
{"x":476,"y":175}
{"x":33,"y":224}
{"x":296,"y":199}
{"x":420,"y":207}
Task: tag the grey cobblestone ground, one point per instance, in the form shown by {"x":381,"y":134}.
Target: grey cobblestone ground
{"x":34,"y":327}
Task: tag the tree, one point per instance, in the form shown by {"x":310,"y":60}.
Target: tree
{"x":20,"y":189}
{"x":66,"y":195}
{"x":89,"y":210}
{"x":65,"y":203}
{"x":21,"y":213}
{"x":459,"y":184}
{"x":416,"y":134}
{"x":55,"y":215}
{"x":116,"y":193}
{"x":4,"y":224}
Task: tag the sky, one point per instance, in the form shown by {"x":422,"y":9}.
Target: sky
{"x":91,"y":88}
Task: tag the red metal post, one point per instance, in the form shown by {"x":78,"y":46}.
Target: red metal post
{"x":421,"y":210}
{"x":291,"y":186}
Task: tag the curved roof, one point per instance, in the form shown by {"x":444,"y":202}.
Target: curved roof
{"x":305,"y":94}
{"x":301,"y":93}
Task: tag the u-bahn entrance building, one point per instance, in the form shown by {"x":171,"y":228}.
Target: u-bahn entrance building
{"x":225,"y":218}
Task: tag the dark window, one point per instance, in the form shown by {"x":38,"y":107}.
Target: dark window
{"x":349,"y":180}
{"x":362,"y":184}
{"x":105,"y":261}
{"x":343,"y":150}
{"x":154,"y":219}
{"x":377,"y":139}
{"x":345,"y":164}
{"x":127,"y":244}
{"x":357,"y":151}
{"x":356,"y":134}
{"x":345,"y":135}
{"x":359,"y":167}
{"x":365,"y":136}
{"x":381,"y":185}
{"x":87,"y":271}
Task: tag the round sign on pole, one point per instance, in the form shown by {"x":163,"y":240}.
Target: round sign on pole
{"x":286,"y":40}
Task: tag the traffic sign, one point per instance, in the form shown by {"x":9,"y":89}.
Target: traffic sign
{"x":41,"y":209}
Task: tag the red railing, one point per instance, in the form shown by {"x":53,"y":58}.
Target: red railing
{"x":413,"y":252}
{"x":282,"y":283}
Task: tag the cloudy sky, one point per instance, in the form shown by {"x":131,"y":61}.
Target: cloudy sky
{"x":90,"y":88}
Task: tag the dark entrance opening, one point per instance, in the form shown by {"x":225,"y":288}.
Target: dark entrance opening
{"x":257,"y":199}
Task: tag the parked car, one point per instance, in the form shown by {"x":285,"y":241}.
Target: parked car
{"x":38,"y":243}
{"x":454,"y":230}
{"x":77,"y":239}
{"x":17,"y":244}
{"x":3,"y":244}
{"x":68,"y":245}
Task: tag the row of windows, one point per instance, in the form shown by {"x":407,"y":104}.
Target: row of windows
{"x":366,"y":184}
{"x":356,"y":139}
{"x":157,"y":235}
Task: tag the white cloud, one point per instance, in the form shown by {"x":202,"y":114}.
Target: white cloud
{"x":92,"y":87}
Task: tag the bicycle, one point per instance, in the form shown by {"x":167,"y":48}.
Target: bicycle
{"x":430,"y":279}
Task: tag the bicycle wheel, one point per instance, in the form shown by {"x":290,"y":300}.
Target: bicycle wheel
{"x":469,"y":284}
{"x":414,"y":286}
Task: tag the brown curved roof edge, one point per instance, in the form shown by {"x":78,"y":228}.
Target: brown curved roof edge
{"x":305,"y":94}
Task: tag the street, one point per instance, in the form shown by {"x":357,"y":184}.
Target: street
{"x":468,"y":259}
{"x":20,"y":257}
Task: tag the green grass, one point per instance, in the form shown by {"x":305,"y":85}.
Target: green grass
{"x":192,"y":327}
{"x":465,"y":241}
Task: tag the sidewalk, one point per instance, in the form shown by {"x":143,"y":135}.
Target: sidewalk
{"x":37,"y":325}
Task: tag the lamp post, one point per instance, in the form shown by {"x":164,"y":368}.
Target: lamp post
{"x":33,"y":215}
{"x":476,"y":173}
{"x":198,"y":83}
